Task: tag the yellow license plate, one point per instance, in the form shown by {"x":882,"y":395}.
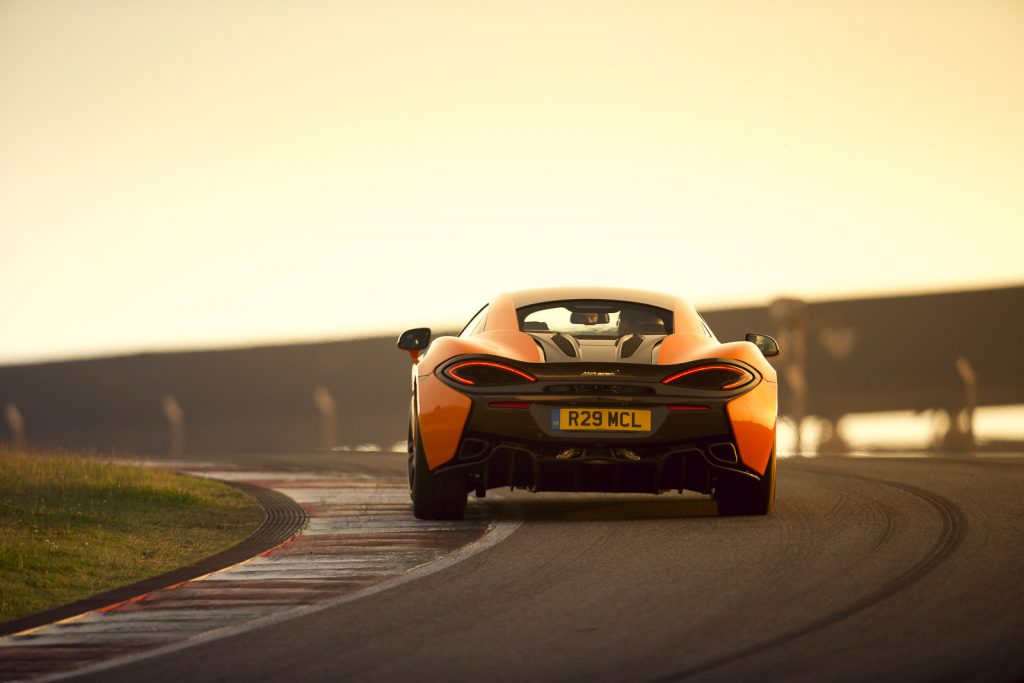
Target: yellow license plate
{"x":600,"y":420}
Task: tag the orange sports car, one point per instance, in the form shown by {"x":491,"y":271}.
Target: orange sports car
{"x":590,"y":389}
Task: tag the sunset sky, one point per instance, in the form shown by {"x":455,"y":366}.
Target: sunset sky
{"x":199,"y":173}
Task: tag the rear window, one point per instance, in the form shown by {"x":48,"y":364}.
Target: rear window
{"x":595,"y":319}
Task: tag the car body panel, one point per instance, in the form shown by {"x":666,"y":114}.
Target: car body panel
{"x":443,"y":412}
{"x":510,"y":344}
{"x":753,"y":417}
{"x":442,"y":409}
{"x":503,"y":434}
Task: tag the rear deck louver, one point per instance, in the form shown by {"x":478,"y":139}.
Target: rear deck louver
{"x":564,"y":345}
{"x":630,"y":345}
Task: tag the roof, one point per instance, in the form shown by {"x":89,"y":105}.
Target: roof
{"x":529,"y":297}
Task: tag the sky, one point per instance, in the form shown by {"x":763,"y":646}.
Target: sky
{"x":204,"y":173}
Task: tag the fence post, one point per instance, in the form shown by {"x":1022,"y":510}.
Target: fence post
{"x":16,"y":421}
{"x":176,"y":424}
{"x":838,"y":343}
{"x":960,"y":435}
{"x":327,"y":407}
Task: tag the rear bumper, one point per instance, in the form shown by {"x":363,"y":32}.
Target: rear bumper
{"x":490,"y":463}
{"x":510,"y":429}
{"x":517,"y":447}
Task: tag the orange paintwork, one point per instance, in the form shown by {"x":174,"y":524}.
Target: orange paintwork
{"x":443,"y":412}
{"x":753,"y":417}
{"x":511,"y":344}
{"x":685,"y":319}
{"x":681,"y":348}
{"x":501,"y":314}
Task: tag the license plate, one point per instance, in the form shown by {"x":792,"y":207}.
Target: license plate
{"x":600,"y":420}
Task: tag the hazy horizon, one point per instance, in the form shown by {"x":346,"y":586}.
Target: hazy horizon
{"x":197,"y":175}
{"x":450,"y":326}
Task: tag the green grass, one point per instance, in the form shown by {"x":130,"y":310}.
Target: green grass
{"x":72,"y":526}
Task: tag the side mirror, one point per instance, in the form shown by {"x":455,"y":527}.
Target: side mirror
{"x":414,"y":341}
{"x":769,"y":347}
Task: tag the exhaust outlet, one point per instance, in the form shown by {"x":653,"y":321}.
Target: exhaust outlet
{"x":724,"y":453}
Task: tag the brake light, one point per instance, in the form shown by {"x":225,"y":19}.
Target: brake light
{"x":473,"y":372}
{"x":713,"y":377}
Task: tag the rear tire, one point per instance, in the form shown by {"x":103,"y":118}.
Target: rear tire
{"x":434,"y":496}
{"x":741,"y":495}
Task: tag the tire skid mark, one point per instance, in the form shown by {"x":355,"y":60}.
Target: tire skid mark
{"x":889,"y":529}
{"x":951,"y":537}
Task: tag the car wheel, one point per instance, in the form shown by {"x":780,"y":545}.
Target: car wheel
{"x":434,"y":496}
{"x":741,"y":495}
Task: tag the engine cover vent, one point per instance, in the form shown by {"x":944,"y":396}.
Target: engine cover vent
{"x":564,"y":345}
{"x":606,"y":389}
{"x":630,"y":345}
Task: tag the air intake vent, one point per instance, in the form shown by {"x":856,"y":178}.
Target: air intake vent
{"x":564,"y":345}
{"x":630,"y":345}
{"x":616,"y":389}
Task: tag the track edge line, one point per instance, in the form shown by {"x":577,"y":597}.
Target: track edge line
{"x":498,"y":532}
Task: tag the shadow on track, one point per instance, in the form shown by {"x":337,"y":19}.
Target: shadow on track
{"x":605,"y":508}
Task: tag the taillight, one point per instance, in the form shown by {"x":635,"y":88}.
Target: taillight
{"x":482,"y":372}
{"x":518,"y":405}
{"x":713,"y":377}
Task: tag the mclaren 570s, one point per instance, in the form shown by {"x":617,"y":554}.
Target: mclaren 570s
{"x":590,"y":389}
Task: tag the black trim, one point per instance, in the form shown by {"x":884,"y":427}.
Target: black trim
{"x":603,"y":373}
{"x":463,"y":330}
{"x":537,"y":467}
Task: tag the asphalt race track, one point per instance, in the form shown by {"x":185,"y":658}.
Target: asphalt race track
{"x":870,"y":568}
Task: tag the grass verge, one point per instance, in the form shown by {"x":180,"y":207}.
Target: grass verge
{"x":71,"y":526}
